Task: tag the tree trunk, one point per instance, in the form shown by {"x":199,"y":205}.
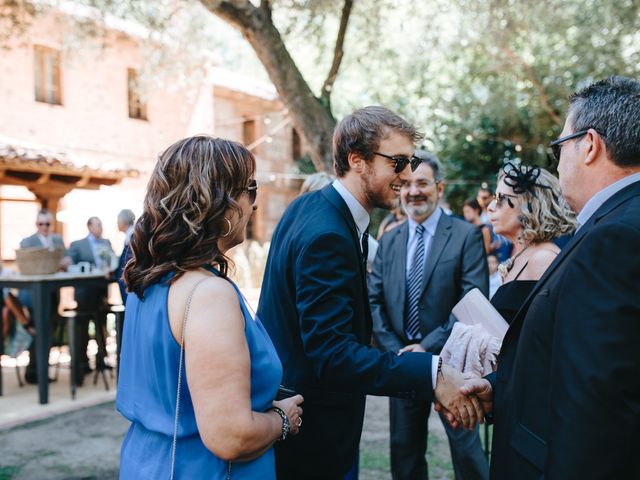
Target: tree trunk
{"x":313,"y":122}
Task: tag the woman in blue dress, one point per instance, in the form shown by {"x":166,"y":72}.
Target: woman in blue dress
{"x":219,"y":397}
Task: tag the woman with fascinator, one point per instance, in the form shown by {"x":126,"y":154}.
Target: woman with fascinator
{"x":529,"y":210}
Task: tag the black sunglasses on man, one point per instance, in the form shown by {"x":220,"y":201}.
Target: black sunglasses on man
{"x":556,"y":145}
{"x":400,"y":161}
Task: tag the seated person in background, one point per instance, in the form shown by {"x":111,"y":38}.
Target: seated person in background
{"x":17,"y":331}
{"x":225,"y":420}
{"x":43,"y":238}
{"x":92,"y":301}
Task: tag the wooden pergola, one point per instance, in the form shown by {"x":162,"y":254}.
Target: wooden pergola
{"x":49,"y":176}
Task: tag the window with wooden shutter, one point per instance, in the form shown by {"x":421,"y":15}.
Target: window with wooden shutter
{"x":48,"y":85}
{"x":137,"y":108}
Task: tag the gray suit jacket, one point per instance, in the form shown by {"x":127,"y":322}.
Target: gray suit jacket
{"x":34,"y":241}
{"x":80,"y":251}
{"x":456,"y":263}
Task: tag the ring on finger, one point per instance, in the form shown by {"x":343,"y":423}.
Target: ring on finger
{"x":299,"y":422}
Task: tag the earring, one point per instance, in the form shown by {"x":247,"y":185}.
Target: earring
{"x":229,"y":225}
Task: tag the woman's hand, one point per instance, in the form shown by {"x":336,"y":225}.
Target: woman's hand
{"x":292,"y":409}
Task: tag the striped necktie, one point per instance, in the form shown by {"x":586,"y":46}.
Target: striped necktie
{"x":414,"y":287}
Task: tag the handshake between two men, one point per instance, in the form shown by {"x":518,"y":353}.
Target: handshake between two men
{"x":463,"y":398}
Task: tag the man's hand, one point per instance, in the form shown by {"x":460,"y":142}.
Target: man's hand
{"x":464,"y":407}
{"x":414,"y":347}
{"x":479,"y":387}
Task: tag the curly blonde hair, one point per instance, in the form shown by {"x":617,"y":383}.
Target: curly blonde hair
{"x":195,"y":181}
{"x":544,"y":213}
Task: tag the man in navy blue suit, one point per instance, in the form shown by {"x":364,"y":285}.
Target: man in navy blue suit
{"x":566,"y":395}
{"x":126,"y":220}
{"x":314,"y":302}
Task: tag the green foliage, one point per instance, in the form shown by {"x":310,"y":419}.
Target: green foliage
{"x":305,"y":165}
{"x":489,"y":81}
{"x":486,"y":81}
{"x":7,"y":472}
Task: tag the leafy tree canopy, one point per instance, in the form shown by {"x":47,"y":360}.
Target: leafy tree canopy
{"x":486,"y":81}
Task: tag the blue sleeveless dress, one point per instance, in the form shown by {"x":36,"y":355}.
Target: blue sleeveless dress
{"x":147,"y":396}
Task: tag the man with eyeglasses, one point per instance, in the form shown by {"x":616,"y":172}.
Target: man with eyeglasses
{"x":314,"y":302}
{"x":568,"y":378}
{"x":42,"y":238}
{"x":422,"y":269}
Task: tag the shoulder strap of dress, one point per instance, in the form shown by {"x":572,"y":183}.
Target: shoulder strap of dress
{"x":180,"y":363}
{"x":521,"y":270}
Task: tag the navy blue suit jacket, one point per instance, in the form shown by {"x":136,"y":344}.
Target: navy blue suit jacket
{"x":567,"y":389}
{"x":314,"y":305}
{"x":125,"y":256}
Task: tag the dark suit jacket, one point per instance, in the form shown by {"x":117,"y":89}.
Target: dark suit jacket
{"x":567,"y":390}
{"x":87,"y":297}
{"x":314,"y":305}
{"x":456,"y":263}
{"x":31,"y":242}
{"x":125,"y":256}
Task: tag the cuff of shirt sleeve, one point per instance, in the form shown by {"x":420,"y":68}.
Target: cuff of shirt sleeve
{"x":435,"y":359}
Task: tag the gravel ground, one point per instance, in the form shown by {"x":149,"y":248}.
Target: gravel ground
{"x":85,"y":445}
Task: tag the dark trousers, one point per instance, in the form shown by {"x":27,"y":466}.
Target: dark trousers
{"x":291,"y":470}
{"x":409,"y":424}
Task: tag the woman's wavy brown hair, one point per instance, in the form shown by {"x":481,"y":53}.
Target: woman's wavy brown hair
{"x":195,"y":181}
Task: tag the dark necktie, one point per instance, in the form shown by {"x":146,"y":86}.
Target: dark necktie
{"x":414,"y":287}
{"x":365,"y":248}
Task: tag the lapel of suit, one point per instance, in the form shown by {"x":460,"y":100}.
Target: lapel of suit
{"x":332,"y":195}
{"x":398,"y":272}
{"x":613,"y":202}
{"x":439,"y":241}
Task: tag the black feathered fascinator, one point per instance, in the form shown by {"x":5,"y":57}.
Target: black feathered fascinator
{"x":522,"y":178}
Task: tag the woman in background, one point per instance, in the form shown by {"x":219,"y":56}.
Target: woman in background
{"x":220,"y":400}
{"x":472,"y":211}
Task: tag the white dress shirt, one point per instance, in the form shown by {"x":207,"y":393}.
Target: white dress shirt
{"x":358,"y":212}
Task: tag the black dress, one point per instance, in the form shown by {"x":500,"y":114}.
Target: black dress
{"x":507,"y":301}
{"x":511,"y":296}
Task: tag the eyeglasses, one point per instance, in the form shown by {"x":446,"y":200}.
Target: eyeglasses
{"x":252,"y":190}
{"x":401,"y":161}
{"x":420,"y":185}
{"x":556,"y":145}
{"x":500,"y":198}
{"x":44,"y":224}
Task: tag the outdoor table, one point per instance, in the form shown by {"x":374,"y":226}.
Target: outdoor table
{"x":41,"y":287}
